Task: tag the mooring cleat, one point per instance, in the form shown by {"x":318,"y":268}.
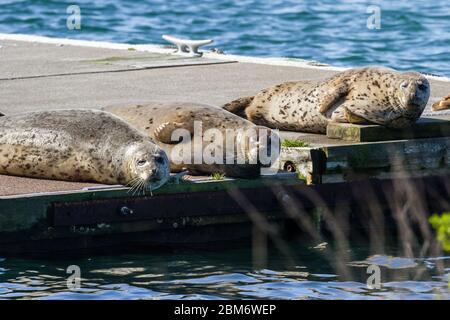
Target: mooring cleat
{"x":186,"y":46}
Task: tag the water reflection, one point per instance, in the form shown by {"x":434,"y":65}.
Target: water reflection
{"x":225,"y":275}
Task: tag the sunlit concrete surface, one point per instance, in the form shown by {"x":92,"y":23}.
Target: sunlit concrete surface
{"x":43,"y":76}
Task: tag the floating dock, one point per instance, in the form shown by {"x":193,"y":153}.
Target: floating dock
{"x":41,"y":216}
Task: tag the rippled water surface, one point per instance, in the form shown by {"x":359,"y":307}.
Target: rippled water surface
{"x":225,"y":275}
{"x":413,"y":34}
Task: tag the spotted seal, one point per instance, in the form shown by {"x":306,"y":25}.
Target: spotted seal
{"x":80,"y":145}
{"x":364,"y":95}
{"x":160,"y":120}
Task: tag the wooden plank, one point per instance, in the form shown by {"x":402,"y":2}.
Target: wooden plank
{"x":42,"y":237}
{"x":386,"y":159}
{"x":215,"y":203}
{"x":426,"y":127}
{"x":25,"y":211}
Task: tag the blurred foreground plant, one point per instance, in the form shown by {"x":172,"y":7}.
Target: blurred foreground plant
{"x":442,"y":226}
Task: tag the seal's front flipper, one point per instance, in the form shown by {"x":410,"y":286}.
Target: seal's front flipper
{"x":347,"y":113}
{"x":331,"y":96}
{"x":354,"y":118}
{"x":1,"y":114}
{"x":338,"y":115}
{"x":164,"y":133}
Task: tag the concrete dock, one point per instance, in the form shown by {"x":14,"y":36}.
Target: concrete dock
{"x":35,"y":75}
{"x":44,"y":215}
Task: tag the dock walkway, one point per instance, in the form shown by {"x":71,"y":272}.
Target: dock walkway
{"x":35,"y":75}
{"x":49,"y":74}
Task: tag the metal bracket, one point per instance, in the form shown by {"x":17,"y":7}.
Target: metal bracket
{"x":186,"y":46}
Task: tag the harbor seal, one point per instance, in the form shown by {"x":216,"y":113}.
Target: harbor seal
{"x":160,"y":120}
{"x":80,"y":145}
{"x":364,"y":95}
{"x":443,"y":104}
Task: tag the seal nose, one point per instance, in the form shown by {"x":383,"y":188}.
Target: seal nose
{"x":161,"y":165}
{"x":160,"y":160}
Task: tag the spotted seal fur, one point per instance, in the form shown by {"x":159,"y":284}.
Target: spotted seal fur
{"x":80,"y":145}
{"x":364,"y":95}
{"x":159,"y":120}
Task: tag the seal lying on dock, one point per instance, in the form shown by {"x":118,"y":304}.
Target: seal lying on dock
{"x":443,"y":104}
{"x":80,"y":145}
{"x":160,"y":120}
{"x":364,"y":95}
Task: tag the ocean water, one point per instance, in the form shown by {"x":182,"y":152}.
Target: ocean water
{"x":228,"y":274}
{"x":410,"y":34}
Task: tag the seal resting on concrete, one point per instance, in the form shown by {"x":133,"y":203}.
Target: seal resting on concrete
{"x":80,"y":145}
{"x":374,"y":95}
{"x":443,"y":104}
{"x":160,"y":120}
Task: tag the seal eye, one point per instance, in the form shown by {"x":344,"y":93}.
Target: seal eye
{"x":140,"y":163}
{"x":422,"y":87}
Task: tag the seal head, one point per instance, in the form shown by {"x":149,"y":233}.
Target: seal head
{"x":413,"y":93}
{"x":145,"y":166}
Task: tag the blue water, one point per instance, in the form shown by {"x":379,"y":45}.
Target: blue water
{"x":227,"y":274}
{"x":413,"y":34}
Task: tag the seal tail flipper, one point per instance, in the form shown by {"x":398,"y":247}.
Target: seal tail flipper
{"x":238,"y":106}
{"x":443,"y":104}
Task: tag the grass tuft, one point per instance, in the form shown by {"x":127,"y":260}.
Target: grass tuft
{"x":287,"y":143}
{"x":218,"y":176}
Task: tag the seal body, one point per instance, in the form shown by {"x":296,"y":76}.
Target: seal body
{"x":364,"y":95}
{"x":80,"y":145}
{"x":161,"y":120}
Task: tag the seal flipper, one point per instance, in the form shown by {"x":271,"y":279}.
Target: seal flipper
{"x":164,"y":132}
{"x":1,"y":114}
{"x":238,"y":106}
{"x":344,"y":115}
{"x":443,"y":104}
{"x":354,"y":118}
{"x":332,"y":96}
